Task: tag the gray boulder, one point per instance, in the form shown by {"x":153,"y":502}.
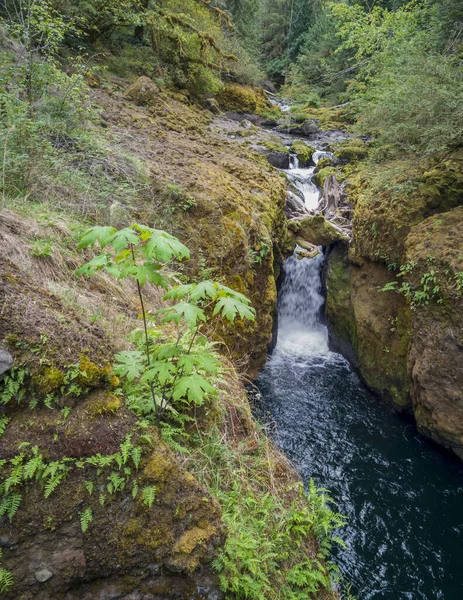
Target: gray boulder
{"x":6,"y":361}
{"x":280,"y":160}
{"x":310,"y":128}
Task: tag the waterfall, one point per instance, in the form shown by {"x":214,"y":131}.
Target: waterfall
{"x":302,"y":179}
{"x":300,"y":329}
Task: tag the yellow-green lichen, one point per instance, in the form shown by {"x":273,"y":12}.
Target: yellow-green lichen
{"x":103,"y":404}
{"x":48,"y":380}
{"x":91,"y":375}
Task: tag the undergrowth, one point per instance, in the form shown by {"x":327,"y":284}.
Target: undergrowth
{"x":279,"y":535}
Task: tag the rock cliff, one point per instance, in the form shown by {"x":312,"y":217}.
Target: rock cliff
{"x":394,"y":300}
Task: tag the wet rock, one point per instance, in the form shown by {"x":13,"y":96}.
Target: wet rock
{"x":143,"y":92}
{"x":280,"y":160}
{"x":295,"y":207}
{"x":303,"y":152}
{"x":6,"y":361}
{"x":310,"y":128}
{"x":318,"y":231}
{"x":306,"y":250}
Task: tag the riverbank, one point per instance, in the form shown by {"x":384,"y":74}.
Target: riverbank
{"x":222,"y":495}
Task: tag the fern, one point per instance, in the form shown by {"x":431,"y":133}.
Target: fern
{"x":148,"y":495}
{"x":13,"y":385}
{"x":6,"y":580}
{"x":86,"y":517}
{"x":136,"y":455}
{"x":89,"y":485}
{"x":126,"y":448}
{"x":52,"y":484}
{"x":134,"y":490}
{"x":3,"y":424}
{"x":16,"y":474}
{"x":115,"y":483}
{"x":34,"y":467}
{"x":10,"y":504}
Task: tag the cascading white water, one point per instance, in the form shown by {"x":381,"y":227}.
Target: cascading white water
{"x":300,"y":330}
{"x":302,"y":179}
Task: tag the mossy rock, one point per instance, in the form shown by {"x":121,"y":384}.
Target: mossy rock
{"x":242,"y":99}
{"x":303,"y":152}
{"x":92,"y":375}
{"x":352,"y":150}
{"x":275,"y":144}
{"x":371,"y":328}
{"x":104,"y":403}
{"x":434,"y":248}
{"x":318,"y":231}
{"x":143,"y":92}
{"x":48,"y":380}
{"x":322,"y":174}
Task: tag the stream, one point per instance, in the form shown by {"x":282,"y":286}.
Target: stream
{"x":403,"y":496}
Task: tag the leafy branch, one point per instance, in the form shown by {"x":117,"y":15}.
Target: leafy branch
{"x":164,"y":375}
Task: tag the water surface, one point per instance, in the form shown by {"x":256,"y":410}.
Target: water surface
{"x":403,"y":495}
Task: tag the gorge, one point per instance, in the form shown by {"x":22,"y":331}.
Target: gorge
{"x":231,"y":293}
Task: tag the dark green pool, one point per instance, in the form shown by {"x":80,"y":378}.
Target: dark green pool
{"x":403,"y":495}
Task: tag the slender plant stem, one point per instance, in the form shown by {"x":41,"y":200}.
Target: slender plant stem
{"x":145,"y":326}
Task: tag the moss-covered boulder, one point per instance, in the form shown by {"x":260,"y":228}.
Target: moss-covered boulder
{"x":303,"y":152}
{"x":143,"y":91}
{"x":310,"y":128}
{"x":322,"y":173}
{"x":242,"y":99}
{"x":351,"y":150}
{"x":318,"y":231}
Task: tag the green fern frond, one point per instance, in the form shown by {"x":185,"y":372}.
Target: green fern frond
{"x":6,"y":580}
{"x":86,"y":518}
{"x":3,"y":424}
{"x":148,"y":495}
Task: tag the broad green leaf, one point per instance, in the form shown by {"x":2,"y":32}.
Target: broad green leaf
{"x":179,"y":292}
{"x":101,"y":234}
{"x":190,"y":313}
{"x":114,"y":270}
{"x":163,"y":247}
{"x":131,"y":364}
{"x":169,"y":351}
{"x":204,"y":290}
{"x":230,"y":308}
{"x":123,"y":238}
{"x":204,"y":361}
{"x":102,"y":261}
{"x":154,"y":276}
{"x":194,"y":387}
{"x":233,"y":294}
{"x":160,"y":370}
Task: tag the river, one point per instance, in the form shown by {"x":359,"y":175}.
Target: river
{"x":402,"y":495}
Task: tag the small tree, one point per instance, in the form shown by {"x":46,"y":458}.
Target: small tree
{"x":164,"y":374}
